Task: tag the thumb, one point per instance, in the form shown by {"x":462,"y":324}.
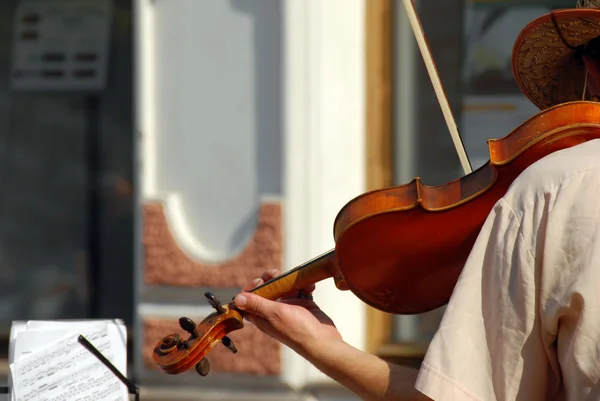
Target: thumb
{"x":256,"y":305}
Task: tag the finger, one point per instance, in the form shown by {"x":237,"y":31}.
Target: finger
{"x":294,"y":294}
{"x":259,"y":306}
{"x":270,"y":274}
{"x":250,"y":319}
{"x":266,"y":276}
{"x":252,"y":285}
{"x":261,"y":324}
{"x":305,"y":303}
{"x":255,"y":320}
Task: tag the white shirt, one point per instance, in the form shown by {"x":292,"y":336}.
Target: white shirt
{"x":523,"y":322}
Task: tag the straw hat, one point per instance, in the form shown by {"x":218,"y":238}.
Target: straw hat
{"x":547,"y":56}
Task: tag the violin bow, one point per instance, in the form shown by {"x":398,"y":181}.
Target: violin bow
{"x":437,"y":85}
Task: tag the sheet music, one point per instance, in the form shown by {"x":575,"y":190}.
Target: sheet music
{"x":39,"y":333}
{"x":66,"y":370}
{"x":17,"y":327}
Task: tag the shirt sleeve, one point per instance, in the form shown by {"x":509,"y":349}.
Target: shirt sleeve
{"x":492,"y":312}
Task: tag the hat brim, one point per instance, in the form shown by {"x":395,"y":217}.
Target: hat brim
{"x":547,"y":70}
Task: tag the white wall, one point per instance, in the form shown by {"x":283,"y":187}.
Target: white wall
{"x":189,"y":106}
{"x":209,"y":120}
{"x":215,"y":146}
{"x":324,"y":147}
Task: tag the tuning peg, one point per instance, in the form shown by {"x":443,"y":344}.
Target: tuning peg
{"x":203,"y":367}
{"x":188,"y":325}
{"x":229,"y":344}
{"x":214,"y":302}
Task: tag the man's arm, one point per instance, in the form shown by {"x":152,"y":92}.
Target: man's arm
{"x":366,"y":375}
{"x":303,"y":327}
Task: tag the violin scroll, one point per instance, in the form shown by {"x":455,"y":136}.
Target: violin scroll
{"x":175,"y":355}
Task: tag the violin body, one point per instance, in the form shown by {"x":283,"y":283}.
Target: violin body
{"x":402,"y":249}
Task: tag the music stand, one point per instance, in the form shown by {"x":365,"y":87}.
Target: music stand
{"x":131,"y":387}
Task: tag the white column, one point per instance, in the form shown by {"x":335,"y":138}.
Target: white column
{"x":324,"y":148}
{"x":144,"y":87}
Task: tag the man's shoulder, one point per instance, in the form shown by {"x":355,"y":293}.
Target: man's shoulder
{"x":556,"y":169}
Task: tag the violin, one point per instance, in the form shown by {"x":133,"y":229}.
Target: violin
{"x":401,"y":249}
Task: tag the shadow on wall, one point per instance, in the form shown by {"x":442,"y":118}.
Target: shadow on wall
{"x":267,"y":39}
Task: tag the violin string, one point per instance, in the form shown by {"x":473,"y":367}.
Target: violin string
{"x":585,"y":84}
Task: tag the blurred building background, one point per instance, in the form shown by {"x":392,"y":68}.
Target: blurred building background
{"x":202,"y":142}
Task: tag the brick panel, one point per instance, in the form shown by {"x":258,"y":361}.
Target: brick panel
{"x":258,"y":354}
{"x":166,"y":264}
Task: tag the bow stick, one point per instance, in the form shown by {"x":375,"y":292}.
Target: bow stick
{"x":437,"y":85}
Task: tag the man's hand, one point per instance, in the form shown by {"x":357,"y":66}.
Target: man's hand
{"x":297,"y":323}
{"x":302,"y":326}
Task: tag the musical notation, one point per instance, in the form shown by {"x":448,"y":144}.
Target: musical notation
{"x":67,"y":371}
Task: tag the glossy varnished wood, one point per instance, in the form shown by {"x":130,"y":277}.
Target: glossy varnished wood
{"x":401,"y":249}
{"x":313,"y":271}
{"x":175,"y":355}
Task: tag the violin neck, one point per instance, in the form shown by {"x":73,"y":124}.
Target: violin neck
{"x":311,"y":272}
